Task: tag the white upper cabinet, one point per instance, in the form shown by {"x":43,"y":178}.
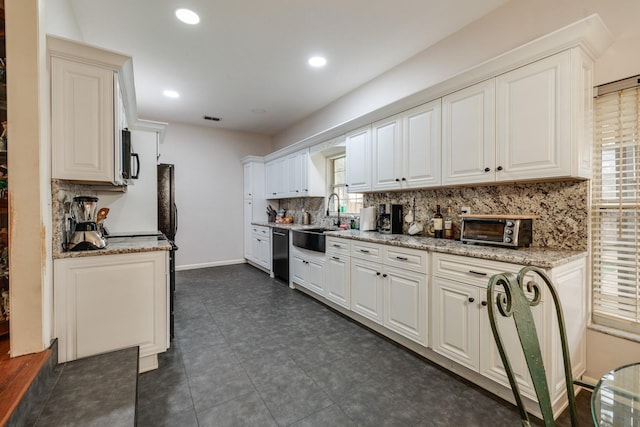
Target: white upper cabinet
{"x":296,"y":175}
{"x":359,"y":160}
{"x":87,"y":111}
{"x":386,"y":149}
{"x":421,"y":152}
{"x":406,"y":149}
{"x":529,"y":123}
{"x":468,"y":135}
{"x":534,"y":120}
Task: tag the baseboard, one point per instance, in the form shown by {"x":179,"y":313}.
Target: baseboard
{"x":210,"y":264}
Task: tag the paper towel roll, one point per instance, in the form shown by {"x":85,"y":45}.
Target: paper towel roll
{"x":368,"y":220}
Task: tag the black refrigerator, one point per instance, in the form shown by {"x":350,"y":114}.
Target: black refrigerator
{"x":168,"y":225}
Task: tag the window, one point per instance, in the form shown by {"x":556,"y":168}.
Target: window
{"x":616,"y":207}
{"x":350,"y":203}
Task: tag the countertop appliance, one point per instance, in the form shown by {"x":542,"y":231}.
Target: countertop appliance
{"x":500,"y":230}
{"x":280,"y":246}
{"x":168,"y":225}
{"x":390,"y":218}
{"x":85,"y":235}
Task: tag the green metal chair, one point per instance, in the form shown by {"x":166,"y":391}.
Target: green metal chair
{"x":511,"y":301}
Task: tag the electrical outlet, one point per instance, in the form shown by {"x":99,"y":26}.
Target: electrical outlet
{"x":465,"y":210}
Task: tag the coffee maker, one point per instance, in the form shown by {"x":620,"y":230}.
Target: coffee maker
{"x":85,"y":235}
{"x":390,"y":218}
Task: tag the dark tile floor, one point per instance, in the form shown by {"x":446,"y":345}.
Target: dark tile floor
{"x":249,"y":351}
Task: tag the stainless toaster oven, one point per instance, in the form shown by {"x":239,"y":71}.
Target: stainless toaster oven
{"x":500,"y":230}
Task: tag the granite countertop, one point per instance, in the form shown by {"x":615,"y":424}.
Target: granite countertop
{"x":288,"y":226}
{"x":542,"y":257}
{"x":121,"y":245}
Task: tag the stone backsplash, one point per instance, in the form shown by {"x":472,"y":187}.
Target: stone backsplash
{"x":62,"y":194}
{"x":562,"y":208}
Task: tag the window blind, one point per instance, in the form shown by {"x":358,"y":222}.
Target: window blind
{"x":616,"y":210}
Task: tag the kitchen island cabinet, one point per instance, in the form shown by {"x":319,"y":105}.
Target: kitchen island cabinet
{"x":108,"y":302}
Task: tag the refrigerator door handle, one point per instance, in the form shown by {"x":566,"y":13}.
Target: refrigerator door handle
{"x":175,"y":225}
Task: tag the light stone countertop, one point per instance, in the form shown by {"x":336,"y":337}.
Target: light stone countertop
{"x":536,"y":256}
{"x":121,"y":245}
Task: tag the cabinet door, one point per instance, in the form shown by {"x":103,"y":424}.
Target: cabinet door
{"x":271,"y":173}
{"x":248,"y":230}
{"x":303,"y":172}
{"x":315,"y":275}
{"x":109,"y":302}
{"x":405,"y":309}
{"x":468,"y":135}
{"x":490,"y":362}
{"x":421,"y":135}
{"x":256,"y":249}
{"x":455,"y":328}
{"x":359,"y":160}
{"x":337,"y":287}
{"x":248,"y":180}
{"x":534,"y":120}
{"x":82,"y":122}
{"x":282,"y":177}
{"x":366,"y":290}
{"x":298,"y":270}
{"x":386,"y":151}
{"x":293,"y":175}
{"x":265,"y":253}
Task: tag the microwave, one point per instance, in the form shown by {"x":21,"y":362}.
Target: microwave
{"x":127,"y":157}
{"x":501,"y":230}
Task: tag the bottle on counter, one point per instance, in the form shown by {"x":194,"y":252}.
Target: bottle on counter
{"x":448,"y":224}
{"x":438,"y":224}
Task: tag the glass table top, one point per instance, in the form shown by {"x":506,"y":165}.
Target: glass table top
{"x":616,"y":398}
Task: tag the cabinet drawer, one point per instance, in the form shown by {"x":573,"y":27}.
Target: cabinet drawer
{"x":410,"y":259}
{"x":339,"y":246}
{"x":368,"y":251}
{"x":259,"y":231}
{"x":469,"y":270}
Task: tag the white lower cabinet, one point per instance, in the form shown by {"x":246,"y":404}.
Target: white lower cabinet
{"x":261,"y":246}
{"x":405,"y":309}
{"x":109,"y":302}
{"x":461,"y":331}
{"x":307,"y":269}
{"x":366,"y":289}
{"x":391,"y":296}
{"x":337,"y":277}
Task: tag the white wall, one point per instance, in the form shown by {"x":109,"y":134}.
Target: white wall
{"x":209,"y":180}
{"x":137,"y":209}
{"x":60,"y":19}
{"x":510,"y":26}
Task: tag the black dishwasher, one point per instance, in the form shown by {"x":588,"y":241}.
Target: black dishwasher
{"x":280,"y":239}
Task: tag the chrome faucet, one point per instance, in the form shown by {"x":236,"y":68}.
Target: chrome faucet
{"x":337,"y":223}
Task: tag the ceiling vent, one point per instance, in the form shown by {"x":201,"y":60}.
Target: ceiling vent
{"x":213,"y":119}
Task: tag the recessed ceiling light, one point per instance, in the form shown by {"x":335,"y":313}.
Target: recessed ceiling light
{"x":187,"y":16}
{"x":171,"y":93}
{"x":317,"y":61}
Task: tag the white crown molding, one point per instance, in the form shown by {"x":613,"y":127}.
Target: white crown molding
{"x":590,"y":34}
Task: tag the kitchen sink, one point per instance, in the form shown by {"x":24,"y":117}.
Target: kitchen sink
{"x":310,"y":238}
